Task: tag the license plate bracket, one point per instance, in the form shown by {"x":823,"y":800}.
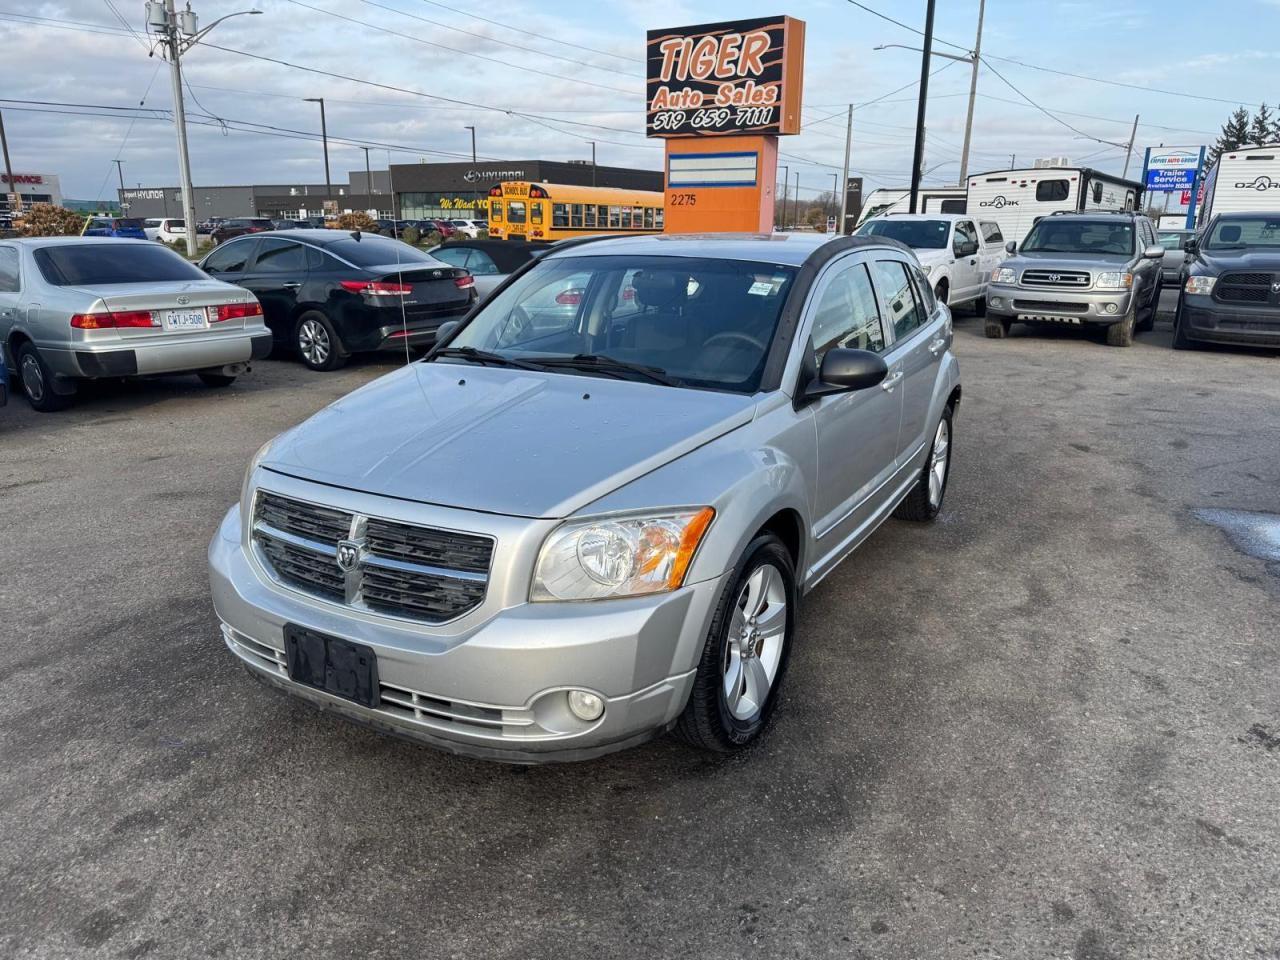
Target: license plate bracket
{"x":340,"y":667}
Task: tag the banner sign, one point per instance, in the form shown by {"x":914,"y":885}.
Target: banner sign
{"x":711,"y":170}
{"x":1172,"y":171}
{"x":725,"y":79}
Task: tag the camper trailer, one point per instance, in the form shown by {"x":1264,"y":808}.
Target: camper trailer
{"x":1242,"y":181}
{"x":898,"y":200}
{"x":1016,"y":199}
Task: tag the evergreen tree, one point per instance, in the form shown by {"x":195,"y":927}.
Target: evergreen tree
{"x":1262,"y":129}
{"x":1234,"y":133}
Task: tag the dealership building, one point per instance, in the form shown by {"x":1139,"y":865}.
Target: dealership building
{"x":408,"y":191}
{"x":30,"y":188}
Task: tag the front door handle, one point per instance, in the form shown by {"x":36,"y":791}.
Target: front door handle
{"x":291,"y":285}
{"x":890,"y":381}
{"x":937,"y":346}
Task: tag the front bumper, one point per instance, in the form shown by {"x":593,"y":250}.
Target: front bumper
{"x":174,"y":355}
{"x":1057,"y":306}
{"x":1204,"y":318}
{"x":493,"y":683}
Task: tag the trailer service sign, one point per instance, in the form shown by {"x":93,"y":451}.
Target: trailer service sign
{"x":735,"y":78}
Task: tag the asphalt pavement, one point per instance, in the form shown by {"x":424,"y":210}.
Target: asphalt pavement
{"x":1047,"y":726}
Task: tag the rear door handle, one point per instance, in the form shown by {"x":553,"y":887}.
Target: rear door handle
{"x":890,"y":382}
{"x":937,"y":346}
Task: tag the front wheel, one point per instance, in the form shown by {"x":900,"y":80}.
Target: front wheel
{"x":1121,"y":334}
{"x":745,"y":655}
{"x":1180,"y":339}
{"x":996,"y":328}
{"x":924,"y":501}
{"x":1148,"y":321}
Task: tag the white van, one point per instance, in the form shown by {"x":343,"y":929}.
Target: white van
{"x":1016,"y":199}
{"x":898,"y":200}
{"x":1242,"y":181}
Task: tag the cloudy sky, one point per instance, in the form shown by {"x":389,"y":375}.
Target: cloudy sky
{"x":541,"y":79}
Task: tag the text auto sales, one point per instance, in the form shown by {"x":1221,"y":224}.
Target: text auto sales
{"x":735,"y":59}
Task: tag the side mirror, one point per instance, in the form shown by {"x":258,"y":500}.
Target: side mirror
{"x":1011,"y":247}
{"x":1153,"y":252}
{"x":845,"y":369}
{"x":445,"y":330}
{"x":1191,"y":246}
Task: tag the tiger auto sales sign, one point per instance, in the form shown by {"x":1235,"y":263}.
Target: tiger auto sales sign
{"x":725,"y":79}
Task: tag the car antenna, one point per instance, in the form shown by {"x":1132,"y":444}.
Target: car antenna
{"x":355,"y":234}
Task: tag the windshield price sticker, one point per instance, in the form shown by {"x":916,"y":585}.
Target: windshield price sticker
{"x":737,"y":77}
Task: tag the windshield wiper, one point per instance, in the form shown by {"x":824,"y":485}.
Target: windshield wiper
{"x":597,"y":361}
{"x":483,"y":356}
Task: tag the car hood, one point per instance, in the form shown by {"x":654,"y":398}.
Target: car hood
{"x":1069,"y":261}
{"x":499,"y":440}
{"x":1262,"y":261}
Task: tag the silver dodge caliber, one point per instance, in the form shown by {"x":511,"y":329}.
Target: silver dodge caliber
{"x":587,"y":516}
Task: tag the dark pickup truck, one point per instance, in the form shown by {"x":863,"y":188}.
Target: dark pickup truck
{"x":1231,"y":283}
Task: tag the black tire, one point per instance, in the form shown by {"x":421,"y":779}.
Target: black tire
{"x":317,"y":343}
{"x":216,"y":379}
{"x":1148,"y":321}
{"x":708,"y":722}
{"x":1180,"y":339}
{"x":920,"y":506}
{"x":997,"y":329}
{"x":37,"y":381}
{"x":941,"y":291}
{"x":980,"y":306}
{"x":1121,"y":334}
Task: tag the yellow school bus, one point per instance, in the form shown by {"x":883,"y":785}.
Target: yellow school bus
{"x":553,"y":211}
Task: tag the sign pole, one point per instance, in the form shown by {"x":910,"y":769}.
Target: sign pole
{"x":1195,"y":191}
{"x":844,"y":196}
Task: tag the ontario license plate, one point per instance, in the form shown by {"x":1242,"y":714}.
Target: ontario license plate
{"x":193,"y":319}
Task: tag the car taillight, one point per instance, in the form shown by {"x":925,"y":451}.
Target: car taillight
{"x":569,"y":297}
{"x":377,"y":288}
{"x":236,"y":311}
{"x":107,"y":320}
{"x":464,"y":283}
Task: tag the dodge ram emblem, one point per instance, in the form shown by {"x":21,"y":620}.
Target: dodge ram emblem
{"x":348,"y":554}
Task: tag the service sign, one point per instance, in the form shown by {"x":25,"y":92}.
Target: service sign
{"x":725,"y":79}
{"x":1172,"y":171}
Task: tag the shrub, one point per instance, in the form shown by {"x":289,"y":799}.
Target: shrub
{"x":433,"y":239}
{"x":482,"y":234}
{"x":359,"y":220}
{"x":411,"y":235}
{"x":46,"y":220}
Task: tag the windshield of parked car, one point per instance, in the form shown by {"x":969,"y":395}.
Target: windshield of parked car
{"x":704,"y":323}
{"x":375,"y":251}
{"x":1058,"y":235}
{"x":1238,"y":233}
{"x":99,"y":264}
{"x":919,"y":234}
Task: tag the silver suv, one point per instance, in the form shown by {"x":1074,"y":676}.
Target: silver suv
{"x":1093,"y":268}
{"x":588,"y":515}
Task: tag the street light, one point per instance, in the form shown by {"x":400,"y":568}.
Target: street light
{"x":179,"y":33}
{"x":473,"y":142}
{"x":324,"y":136}
{"x":786,"y":176}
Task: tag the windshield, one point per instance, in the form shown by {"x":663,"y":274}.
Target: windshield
{"x":1174,"y":240}
{"x":1058,"y":235}
{"x":100,"y":264}
{"x":920,"y":234}
{"x":372,"y":251}
{"x":1235,"y":233}
{"x":705,"y":322}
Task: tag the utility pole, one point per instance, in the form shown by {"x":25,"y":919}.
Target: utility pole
{"x":178,"y":34}
{"x":1013,"y":160}
{"x":120,"y":170}
{"x":786,"y":177}
{"x":844,"y":184}
{"x":1133,"y":135}
{"x":368,"y":174}
{"x":973,"y":93}
{"x":593,"y":162}
{"x":13,"y":202}
{"x":324,"y":136}
{"x":918,"y":157}
{"x":473,"y":142}
{"x":795,"y":205}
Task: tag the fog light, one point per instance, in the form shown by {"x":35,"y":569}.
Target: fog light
{"x":996,"y":302}
{"x":585,"y":706}
{"x":1111,"y":308}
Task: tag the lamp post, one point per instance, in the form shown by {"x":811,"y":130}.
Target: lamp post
{"x":786,"y":177}
{"x":593,"y":162}
{"x":473,"y":142}
{"x":324,"y":136}
{"x":179,"y":32}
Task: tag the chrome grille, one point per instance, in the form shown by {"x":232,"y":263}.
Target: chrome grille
{"x":1244,"y":288}
{"x":395,"y":568}
{"x":1056,"y":279}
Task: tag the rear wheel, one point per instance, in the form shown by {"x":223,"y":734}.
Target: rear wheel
{"x":37,"y":381}
{"x":997,"y":329}
{"x":745,"y":655}
{"x":924,"y":501}
{"x":216,"y":379}
{"x":317,"y":342}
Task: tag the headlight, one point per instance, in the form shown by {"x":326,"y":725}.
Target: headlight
{"x":1006,"y":275}
{"x":248,"y":475}
{"x":1201,"y":284}
{"x":620,"y":556}
{"x":1113,"y":280}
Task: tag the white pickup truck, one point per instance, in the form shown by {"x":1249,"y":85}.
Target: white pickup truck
{"x":957,"y":251}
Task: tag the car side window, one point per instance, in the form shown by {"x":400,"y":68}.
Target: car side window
{"x":9,"y":279}
{"x":846,"y":315}
{"x":964,"y":234}
{"x":906,"y":313}
{"x":923,"y":290}
{"x":230,"y":258}
{"x":481,"y":264}
{"x":454,"y":256}
{"x":280,"y":256}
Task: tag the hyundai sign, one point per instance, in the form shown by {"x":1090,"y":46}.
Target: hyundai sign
{"x":1169,"y":171}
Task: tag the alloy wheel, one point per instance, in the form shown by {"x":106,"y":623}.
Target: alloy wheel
{"x":313,"y":341}
{"x":757,"y":634}
{"x":32,"y":378}
{"x":938,"y":462}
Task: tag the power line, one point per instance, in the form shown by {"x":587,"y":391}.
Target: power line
{"x":1048,"y":113}
{"x":530,"y":33}
{"x":398,"y":104}
{"x":465,"y":53}
{"x":112,"y":7}
{"x":904,"y":26}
